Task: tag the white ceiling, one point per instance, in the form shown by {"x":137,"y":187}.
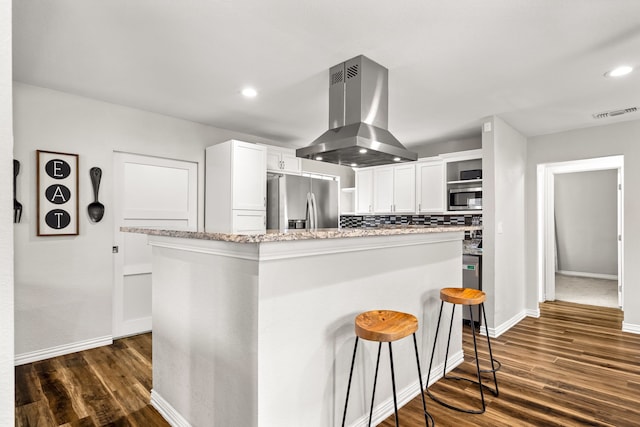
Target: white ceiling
{"x":538,"y":64}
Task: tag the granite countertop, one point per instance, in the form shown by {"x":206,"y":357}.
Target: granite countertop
{"x":278,"y":236}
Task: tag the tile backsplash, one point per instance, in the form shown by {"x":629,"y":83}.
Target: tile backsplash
{"x":373,"y":221}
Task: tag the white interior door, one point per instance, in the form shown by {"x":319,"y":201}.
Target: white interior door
{"x":149,"y":192}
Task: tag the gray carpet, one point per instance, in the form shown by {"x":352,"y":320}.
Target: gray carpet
{"x":586,"y":290}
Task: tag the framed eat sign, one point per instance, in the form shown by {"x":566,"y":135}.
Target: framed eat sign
{"x":57,"y":193}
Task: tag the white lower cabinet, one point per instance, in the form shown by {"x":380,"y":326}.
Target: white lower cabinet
{"x":248,"y":222}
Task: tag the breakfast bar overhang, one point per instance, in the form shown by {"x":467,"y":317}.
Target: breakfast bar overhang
{"x":258,"y":330}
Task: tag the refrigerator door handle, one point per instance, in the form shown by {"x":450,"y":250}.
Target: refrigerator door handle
{"x":314,"y":223}
{"x":309,"y":216}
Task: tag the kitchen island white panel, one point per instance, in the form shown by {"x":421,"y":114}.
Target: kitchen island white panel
{"x":261,"y":334}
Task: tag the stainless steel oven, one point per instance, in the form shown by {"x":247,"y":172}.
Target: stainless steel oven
{"x":465,"y":199}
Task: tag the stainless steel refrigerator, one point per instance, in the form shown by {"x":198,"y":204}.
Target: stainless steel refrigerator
{"x":301,"y":202}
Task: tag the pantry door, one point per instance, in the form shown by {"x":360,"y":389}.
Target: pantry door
{"x":149,"y":192}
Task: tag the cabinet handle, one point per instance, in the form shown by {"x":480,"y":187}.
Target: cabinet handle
{"x":419,"y":207}
{"x":369,"y":208}
{"x":264,"y":202}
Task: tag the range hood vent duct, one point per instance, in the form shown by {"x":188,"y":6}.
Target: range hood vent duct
{"x":358,"y":118}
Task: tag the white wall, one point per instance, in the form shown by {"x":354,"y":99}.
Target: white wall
{"x":63,"y":285}
{"x":615,"y":139}
{"x":503,"y":161}
{"x":6,"y":219}
{"x":436,"y":148}
{"x":586,"y":213}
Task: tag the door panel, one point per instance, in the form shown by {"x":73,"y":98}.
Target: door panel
{"x":149,"y":192}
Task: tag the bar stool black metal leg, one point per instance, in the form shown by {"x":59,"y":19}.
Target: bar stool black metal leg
{"x":427,"y":416}
{"x":451,"y":377}
{"x":346,"y":402}
{"x":475,"y":349}
{"x":393,"y":386}
{"x":493,"y":362}
{"x":375,"y":381}
{"x":446,"y":353}
{"x":433,"y":350}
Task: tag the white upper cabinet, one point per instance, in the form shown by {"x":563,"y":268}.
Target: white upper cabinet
{"x":404,"y":188}
{"x":236,"y":188}
{"x":364,"y":191}
{"x":249,"y":176}
{"x":282,"y":160}
{"x":383,"y":189}
{"x":394,"y":189}
{"x":430,"y":186}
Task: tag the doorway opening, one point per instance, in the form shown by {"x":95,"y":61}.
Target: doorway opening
{"x":547,"y":233}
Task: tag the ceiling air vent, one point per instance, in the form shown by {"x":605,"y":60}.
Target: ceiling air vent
{"x":613,"y":113}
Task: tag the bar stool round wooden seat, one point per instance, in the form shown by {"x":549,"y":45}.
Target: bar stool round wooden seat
{"x":470,"y":298}
{"x":386,"y":326}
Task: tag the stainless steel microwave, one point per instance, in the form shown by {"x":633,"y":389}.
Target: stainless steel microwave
{"x":465,"y":199}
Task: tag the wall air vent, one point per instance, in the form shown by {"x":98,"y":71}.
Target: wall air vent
{"x":613,"y":113}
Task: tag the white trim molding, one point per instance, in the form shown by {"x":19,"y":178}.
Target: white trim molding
{"x":61,"y":350}
{"x":504,"y":327}
{"x":533,"y":313}
{"x":167,"y":411}
{"x":586,"y":274}
{"x":631,"y":328}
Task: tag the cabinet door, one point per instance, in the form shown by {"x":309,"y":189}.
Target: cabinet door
{"x":430,"y":187}
{"x":249,"y":179}
{"x":249,"y":222}
{"x":290,"y":163}
{"x":383,"y":189}
{"x":282,"y":160}
{"x":404,"y":189}
{"x":273,"y":160}
{"x":364,"y":191}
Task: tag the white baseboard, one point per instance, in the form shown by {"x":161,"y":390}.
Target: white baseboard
{"x":167,"y":411}
{"x":591,"y":275}
{"x":630,"y":327}
{"x":533,"y":313}
{"x":60,"y":350}
{"x":383,"y":410}
{"x":504,"y":327}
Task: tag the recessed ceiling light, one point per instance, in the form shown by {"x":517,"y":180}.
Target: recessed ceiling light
{"x":363,"y":150}
{"x":396,"y":159}
{"x":318,"y":157}
{"x":249,"y":92}
{"x":619,"y":71}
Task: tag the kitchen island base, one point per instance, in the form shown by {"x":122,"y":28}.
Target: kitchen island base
{"x":261,"y":334}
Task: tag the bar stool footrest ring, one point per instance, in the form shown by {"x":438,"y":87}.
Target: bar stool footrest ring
{"x":455,"y":408}
{"x":495,"y":362}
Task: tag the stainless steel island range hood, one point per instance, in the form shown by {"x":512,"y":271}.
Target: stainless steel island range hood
{"x":358,"y":118}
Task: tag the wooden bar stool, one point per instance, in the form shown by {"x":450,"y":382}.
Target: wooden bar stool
{"x":468,"y":297}
{"x":386,"y":326}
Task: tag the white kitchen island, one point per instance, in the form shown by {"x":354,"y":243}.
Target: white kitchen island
{"x":258,"y":330}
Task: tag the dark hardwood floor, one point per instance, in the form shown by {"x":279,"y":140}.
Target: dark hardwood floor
{"x":571,"y":367}
{"x":105,"y":386}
